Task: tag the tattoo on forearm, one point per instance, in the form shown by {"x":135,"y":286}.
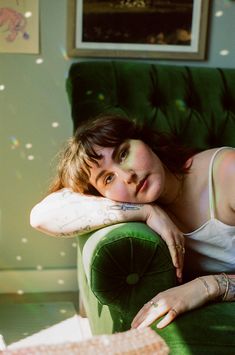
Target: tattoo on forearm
{"x":125,"y":207}
{"x":230,"y":296}
{"x":82,"y":214}
{"x":227,"y":287}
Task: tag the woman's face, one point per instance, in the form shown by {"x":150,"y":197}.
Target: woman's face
{"x":129,"y":173}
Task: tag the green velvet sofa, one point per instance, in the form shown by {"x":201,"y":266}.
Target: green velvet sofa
{"x":121,"y":267}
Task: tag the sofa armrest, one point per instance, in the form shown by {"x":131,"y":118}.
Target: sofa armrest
{"x":126,"y":265}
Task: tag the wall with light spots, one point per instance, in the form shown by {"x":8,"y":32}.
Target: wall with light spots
{"x":35,"y":121}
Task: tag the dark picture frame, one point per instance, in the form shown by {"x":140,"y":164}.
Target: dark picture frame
{"x":172,"y":29}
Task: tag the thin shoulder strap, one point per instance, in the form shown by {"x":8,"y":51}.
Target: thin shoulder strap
{"x":211,"y":190}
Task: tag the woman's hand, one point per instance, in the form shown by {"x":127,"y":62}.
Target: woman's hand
{"x":175,"y":301}
{"x":161,"y":223}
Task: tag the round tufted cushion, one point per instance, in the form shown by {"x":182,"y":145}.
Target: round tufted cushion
{"x":121,"y":263}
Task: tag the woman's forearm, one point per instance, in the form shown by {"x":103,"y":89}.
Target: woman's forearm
{"x":226,"y":284}
{"x":66,"y":213}
{"x":219,"y":287}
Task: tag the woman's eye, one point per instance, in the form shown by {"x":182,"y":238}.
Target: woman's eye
{"x":123,"y":154}
{"x":108,"y":179}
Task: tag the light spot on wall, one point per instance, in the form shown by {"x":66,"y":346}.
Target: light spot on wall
{"x":2,"y":87}
{"x":55,"y":124}
{"x":19,"y":258}
{"x":39,"y":61}
{"x":28,"y":14}
{"x":62,"y":253}
{"x":63,"y":311}
{"x":224,"y":52}
{"x":20,"y":292}
{"x":64,"y":53}
{"x":60,"y":282}
{"x":24,"y":240}
{"x":39,"y":267}
{"x":219,"y":13}
{"x":14,"y":142}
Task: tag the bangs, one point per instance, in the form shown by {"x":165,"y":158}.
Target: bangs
{"x":104,"y":132}
{"x":88,"y":142}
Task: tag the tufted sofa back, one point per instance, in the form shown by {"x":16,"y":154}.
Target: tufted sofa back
{"x":197,"y":104}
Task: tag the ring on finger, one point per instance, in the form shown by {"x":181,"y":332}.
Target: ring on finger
{"x":181,"y":248}
{"x":154,"y":304}
{"x":173,"y":310}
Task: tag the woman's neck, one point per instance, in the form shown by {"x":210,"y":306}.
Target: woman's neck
{"x":174,"y":186}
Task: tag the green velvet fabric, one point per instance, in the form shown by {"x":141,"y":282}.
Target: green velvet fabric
{"x":195,"y":103}
{"x":207,"y":330}
{"x":131,"y":265}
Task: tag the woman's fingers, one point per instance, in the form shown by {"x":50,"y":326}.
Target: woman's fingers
{"x":147,"y":315}
{"x":150,"y":313}
{"x":173,"y":302}
{"x":177,"y":251}
{"x":171,"y":315}
{"x":160,"y":222}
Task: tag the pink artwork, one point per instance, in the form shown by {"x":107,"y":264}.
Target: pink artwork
{"x":14,"y":23}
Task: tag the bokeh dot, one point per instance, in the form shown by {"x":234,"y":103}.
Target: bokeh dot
{"x":20,"y":292}
{"x":2,"y":87}
{"x":219,"y":13}
{"x":28,"y":14}
{"x":39,"y":267}
{"x":101,"y":97}
{"x":62,"y":253}
{"x":60,"y":282}
{"x":63,"y":311}
{"x":30,"y":157}
{"x":224,"y":52}
{"x":24,"y":240}
{"x":39,"y":61}
{"x":55,"y":124}
{"x":18,"y":258}
{"x":28,"y":145}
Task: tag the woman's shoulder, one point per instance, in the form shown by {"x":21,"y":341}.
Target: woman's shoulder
{"x":225,"y":153}
{"x":223,"y":163}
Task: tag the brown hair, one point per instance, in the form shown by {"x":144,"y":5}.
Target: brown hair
{"x":111,"y":131}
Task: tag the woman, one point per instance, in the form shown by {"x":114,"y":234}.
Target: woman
{"x":114,"y":158}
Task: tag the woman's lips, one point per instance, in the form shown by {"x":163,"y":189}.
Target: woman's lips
{"x":142,"y":184}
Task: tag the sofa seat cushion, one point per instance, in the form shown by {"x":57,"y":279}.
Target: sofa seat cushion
{"x":209,"y":330}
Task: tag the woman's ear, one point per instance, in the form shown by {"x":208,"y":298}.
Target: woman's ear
{"x":188,"y":163}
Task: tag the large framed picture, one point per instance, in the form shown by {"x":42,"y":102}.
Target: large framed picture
{"x":167,"y":29}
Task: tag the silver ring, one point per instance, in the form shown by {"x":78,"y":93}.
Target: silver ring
{"x":154,"y":304}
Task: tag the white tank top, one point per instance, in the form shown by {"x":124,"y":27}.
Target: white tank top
{"x":211,"y":247}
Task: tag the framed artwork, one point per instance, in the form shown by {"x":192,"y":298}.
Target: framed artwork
{"x":19,"y":26}
{"x":172,"y":29}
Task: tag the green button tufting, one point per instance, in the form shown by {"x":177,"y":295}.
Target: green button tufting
{"x":132,"y":279}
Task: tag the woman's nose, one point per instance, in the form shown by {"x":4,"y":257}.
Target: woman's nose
{"x":129,"y":176}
